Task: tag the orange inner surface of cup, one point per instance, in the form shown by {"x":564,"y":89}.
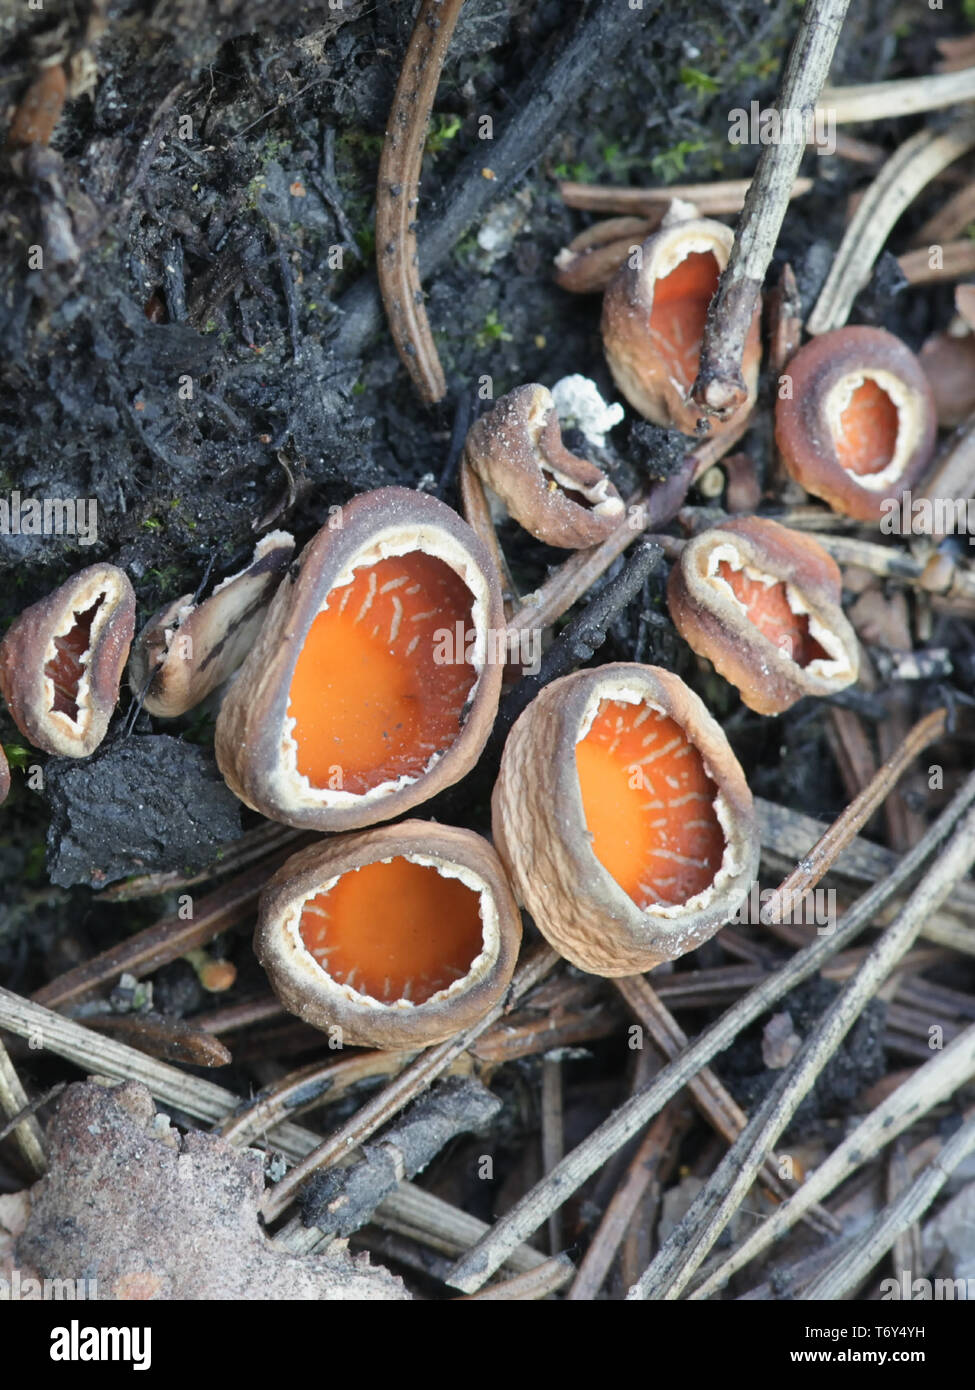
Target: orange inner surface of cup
{"x":767,"y":606}
{"x":394,"y":931}
{"x":649,"y":804}
{"x":867,"y":436}
{"x":680,"y":307}
{"x":382,"y":680}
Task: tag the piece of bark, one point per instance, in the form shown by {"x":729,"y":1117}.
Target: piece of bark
{"x":340,"y":1200}
{"x":145,"y":1212}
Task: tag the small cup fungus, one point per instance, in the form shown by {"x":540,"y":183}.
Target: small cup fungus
{"x":400,"y":935}
{"x":191,"y":649}
{"x":654,"y":313}
{"x":763,"y":604}
{"x":623,"y":818}
{"x":374,"y":682}
{"x":61,"y":661}
{"x":858,"y":424}
{"x":517,"y":449}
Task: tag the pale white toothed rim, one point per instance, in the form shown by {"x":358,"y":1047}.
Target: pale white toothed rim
{"x":303,"y":962}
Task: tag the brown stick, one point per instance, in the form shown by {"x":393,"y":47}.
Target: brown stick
{"x":410,"y":1083}
{"x":397,"y":194}
{"x":720,"y":388}
{"x":167,"y":939}
{"x":844,"y":829}
{"x":710,"y":198}
{"x":957,"y":259}
{"x":714,"y":1102}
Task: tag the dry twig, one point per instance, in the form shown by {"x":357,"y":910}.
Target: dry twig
{"x":15,"y":1106}
{"x":720,"y":388}
{"x":410,"y":1083}
{"x":680,"y":1256}
{"x":877,"y":101}
{"x":856,"y":1261}
{"x":898,"y":183}
{"x":925,"y":1088}
{"x":397,"y":195}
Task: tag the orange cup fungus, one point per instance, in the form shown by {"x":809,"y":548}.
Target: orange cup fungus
{"x":763,"y":604}
{"x":61,"y":661}
{"x":400,"y":936}
{"x":654,"y":313}
{"x":623,"y":818}
{"x":374,"y":682}
{"x":858,"y":423}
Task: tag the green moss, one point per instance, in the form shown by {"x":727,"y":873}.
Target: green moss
{"x":18,"y":756}
{"x":365,"y":240}
{"x":491,"y":331}
{"x":34,"y":870}
{"x":574,"y":173}
{"x":443,"y":129}
{"x":669,"y":165}
{"x":699,"y":81}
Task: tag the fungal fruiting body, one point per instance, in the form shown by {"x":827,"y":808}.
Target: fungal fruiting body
{"x":517,"y":449}
{"x":400,"y":936}
{"x":763,"y":604}
{"x":188,"y":650}
{"x":61,"y":661}
{"x":4,"y":777}
{"x":855,"y":419}
{"x":654,"y":313}
{"x":948,"y":362}
{"x":623,"y":818}
{"x":373,"y":683}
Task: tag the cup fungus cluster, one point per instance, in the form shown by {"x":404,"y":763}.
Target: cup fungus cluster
{"x":763,"y":604}
{"x":858,"y":424}
{"x":654,"y":312}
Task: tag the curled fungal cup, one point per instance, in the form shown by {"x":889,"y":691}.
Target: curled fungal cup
{"x":654,"y":313}
{"x":624,"y":819}
{"x":517,"y":449}
{"x":857,"y":425}
{"x":61,"y":661}
{"x":400,"y":935}
{"x":191,"y":649}
{"x":763,"y":604}
{"x":374,"y":682}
